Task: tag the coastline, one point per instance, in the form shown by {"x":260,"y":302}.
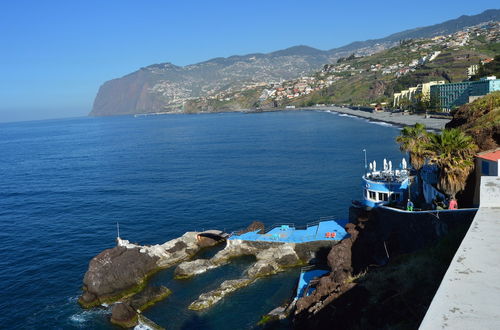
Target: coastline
{"x":397,"y":119}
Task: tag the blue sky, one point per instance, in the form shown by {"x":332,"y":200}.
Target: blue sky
{"x":54,"y":55}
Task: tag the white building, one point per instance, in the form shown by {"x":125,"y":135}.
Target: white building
{"x":487,"y":164}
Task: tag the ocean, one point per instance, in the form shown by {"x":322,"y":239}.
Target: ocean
{"x":66,"y":183}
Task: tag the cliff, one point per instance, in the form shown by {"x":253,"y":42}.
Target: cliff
{"x":481,"y":120}
{"x":167,"y":87}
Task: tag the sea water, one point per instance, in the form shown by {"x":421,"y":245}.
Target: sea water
{"x":66,"y":183}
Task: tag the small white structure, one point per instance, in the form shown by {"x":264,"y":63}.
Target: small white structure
{"x":487,"y":164}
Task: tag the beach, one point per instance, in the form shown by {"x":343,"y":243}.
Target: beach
{"x":399,"y":118}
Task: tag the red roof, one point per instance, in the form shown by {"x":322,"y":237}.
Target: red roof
{"x":494,"y":155}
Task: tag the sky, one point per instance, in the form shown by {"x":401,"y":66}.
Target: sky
{"x":54,"y":55}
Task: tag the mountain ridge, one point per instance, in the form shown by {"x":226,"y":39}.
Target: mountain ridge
{"x":166,"y":87}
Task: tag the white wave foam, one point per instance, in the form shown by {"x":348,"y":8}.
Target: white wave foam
{"x":81,"y":318}
{"x":380,"y":123}
{"x":142,"y":326}
{"x":346,"y":115}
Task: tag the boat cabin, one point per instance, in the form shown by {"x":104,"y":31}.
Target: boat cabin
{"x":386,"y":186}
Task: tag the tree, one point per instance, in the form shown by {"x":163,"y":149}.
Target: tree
{"x":453,"y":151}
{"x":413,"y":140}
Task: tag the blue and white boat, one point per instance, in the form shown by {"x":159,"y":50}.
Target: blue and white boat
{"x":385,"y":186}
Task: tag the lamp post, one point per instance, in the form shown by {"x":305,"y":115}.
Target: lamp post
{"x":366,"y":165}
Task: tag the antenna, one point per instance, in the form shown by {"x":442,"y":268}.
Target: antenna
{"x":117,"y":229}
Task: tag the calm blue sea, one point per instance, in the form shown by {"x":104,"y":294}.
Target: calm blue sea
{"x":65,"y":183}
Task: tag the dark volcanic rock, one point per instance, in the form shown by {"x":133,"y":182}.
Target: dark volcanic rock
{"x":178,"y":246}
{"x":256,"y":225}
{"x":329,"y":287}
{"x":204,"y":241}
{"x":123,"y":270}
{"x":124,"y":315}
{"x":148,"y":297}
{"x":114,"y":271}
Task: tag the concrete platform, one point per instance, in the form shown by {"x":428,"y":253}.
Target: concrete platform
{"x":469,"y":294}
{"x":324,"y":230}
{"x":305,"y":278}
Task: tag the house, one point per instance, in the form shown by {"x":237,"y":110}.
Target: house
{"x":487,"y":164}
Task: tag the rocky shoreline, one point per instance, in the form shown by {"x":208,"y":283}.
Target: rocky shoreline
{"x":119,"y":275}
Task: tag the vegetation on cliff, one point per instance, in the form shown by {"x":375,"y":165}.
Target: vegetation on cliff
{"x":481,"y":120}
{"x":489,"y":69}
{"x":398,"y":295}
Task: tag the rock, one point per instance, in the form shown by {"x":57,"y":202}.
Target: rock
{"x":145,"y":323}
{"x":122,"y":314}
{"x":114,"y":273}
{"x":339,"y":260}
{"x":256,"y":225}
{"x":210,"y":238}
{"x":232,"y":250}
{"x":148,"y":297}
{"x":205,"y":241}
{"x":190,"y":268}
{"x":173,"y":251}
{"x":273,"y":260}
{"x":123,"y":270}
{"x":208,"y":299}
{"x":262,"y":268}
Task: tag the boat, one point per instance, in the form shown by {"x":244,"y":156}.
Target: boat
{"x":387,"y":186}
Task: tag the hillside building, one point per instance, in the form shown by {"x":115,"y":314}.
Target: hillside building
{"x":411,"y":94}
{"x":453,"y":95}
{"x":472,"y":70}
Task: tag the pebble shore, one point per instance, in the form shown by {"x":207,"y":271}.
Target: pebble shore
{"x":399,"y":119}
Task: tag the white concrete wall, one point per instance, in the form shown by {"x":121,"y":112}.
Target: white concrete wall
{"x":469,"y":294}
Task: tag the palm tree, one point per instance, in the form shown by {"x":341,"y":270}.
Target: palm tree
{"x":413,"y":139}
{"x":453,"y":151}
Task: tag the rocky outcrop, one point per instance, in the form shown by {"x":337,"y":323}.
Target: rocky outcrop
{"x":254,"y":226}
{"x":208,"y":299}
{"x":191,"y":268}
{"x":126,"y":314}
{"x":331,"y":286}
{"x":271,"y":258}
{"x":123,"y":270}
{"x":148,"y":297}
{"x":123,"y":315}
{"x":115,"y":273}
{"x":232,"y":250}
